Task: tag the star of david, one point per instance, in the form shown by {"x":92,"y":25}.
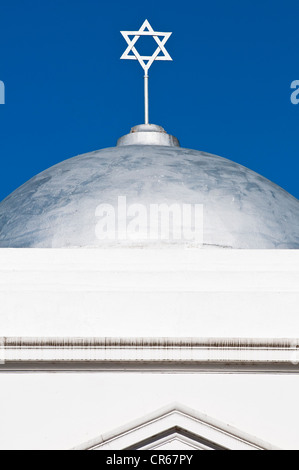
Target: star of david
{"x":146,"y":61}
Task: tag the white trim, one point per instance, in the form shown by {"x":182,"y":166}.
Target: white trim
{"x":176,"y":416}
{"x":239,"y":354}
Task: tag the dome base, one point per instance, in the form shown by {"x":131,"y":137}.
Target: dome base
{"x":148,"y":134}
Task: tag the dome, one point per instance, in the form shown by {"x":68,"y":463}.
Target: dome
{"x":59,"y":207}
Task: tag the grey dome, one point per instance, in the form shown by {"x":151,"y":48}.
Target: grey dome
{"x":57,"y":207}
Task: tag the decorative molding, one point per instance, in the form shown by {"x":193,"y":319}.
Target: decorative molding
{"x":176,"y":423}
{"x":150,"y":354}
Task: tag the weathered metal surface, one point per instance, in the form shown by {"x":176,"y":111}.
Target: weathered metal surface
{"x":241,"y":209}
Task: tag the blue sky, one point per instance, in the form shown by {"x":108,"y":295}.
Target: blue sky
{"x":226,"y":92}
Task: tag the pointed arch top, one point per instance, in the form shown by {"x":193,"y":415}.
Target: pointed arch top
{"x":177,"y":427}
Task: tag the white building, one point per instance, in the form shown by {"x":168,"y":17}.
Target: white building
{"x":123,"y":329}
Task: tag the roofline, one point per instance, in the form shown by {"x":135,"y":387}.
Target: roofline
{"x":177,"y":407}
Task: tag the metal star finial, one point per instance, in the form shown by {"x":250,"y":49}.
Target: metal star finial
{"x":146,"y":61}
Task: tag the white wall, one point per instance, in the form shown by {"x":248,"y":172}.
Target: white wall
{"x":143,"y":292}
{"x":49,"y":411}
{"x":135,"y":292}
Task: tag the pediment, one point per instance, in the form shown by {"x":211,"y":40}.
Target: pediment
{"x":176,"y":428}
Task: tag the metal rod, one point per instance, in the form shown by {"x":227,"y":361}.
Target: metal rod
{"x":146,"y":121}
{"x":146,"y":61}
